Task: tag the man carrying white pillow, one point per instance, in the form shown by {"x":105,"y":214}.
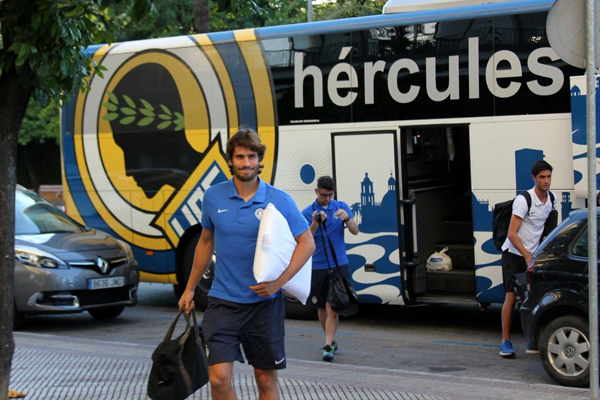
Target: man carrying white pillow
{"x":241,"y":311}
{"x":335,"y":216}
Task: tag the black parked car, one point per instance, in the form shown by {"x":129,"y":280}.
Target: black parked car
{"x":554,"y":313}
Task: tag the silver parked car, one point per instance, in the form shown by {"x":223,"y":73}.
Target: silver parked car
{"x":64,"y":267}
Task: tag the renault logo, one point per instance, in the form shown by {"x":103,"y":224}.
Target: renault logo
{"x":102,"y":264}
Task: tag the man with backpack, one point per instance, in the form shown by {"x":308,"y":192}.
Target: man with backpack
{"x":525,"y":232}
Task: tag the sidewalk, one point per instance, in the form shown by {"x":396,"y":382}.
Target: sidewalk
{"x":47,"y":367}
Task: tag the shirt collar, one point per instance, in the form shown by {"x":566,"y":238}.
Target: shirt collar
{"x":259,"y":196}
{"x":535,"y":199}
{"x":317,"y":206}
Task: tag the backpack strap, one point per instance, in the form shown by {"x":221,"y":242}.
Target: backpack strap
{"x":527,"y":196}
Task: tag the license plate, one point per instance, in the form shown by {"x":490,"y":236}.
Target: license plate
{"x":105,"y":283}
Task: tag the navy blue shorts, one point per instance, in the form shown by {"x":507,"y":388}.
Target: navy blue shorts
{"x":512,"y":264}
{"x":258,"y":327}
{"x":318,"y":284}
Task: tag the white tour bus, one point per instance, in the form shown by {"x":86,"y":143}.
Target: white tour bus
{"x":425,"y":118}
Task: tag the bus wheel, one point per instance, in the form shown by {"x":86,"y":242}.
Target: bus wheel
{"x":178,"y":291}
{"x":201,"y":295}
{"x":296,"y":310}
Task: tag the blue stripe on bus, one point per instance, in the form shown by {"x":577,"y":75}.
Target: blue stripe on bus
{"x":239,"y":75}
{"x":408,"y":18}
{"x":91,"y":50}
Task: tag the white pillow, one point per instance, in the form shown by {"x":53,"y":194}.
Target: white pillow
{"x":274,"y":248}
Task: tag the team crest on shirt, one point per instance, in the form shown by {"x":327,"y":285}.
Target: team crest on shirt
{"x":258,"y":213}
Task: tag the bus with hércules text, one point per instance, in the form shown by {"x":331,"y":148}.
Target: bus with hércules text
{"x":425,"y":119}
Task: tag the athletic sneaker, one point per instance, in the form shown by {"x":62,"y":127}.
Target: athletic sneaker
{"x":506,"y":350}
{"x":334,"y":346}
{"x":531,"y":349}
{"x":327,"y":353}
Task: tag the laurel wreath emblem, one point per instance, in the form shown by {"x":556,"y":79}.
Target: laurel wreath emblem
{"x":143,"y":115}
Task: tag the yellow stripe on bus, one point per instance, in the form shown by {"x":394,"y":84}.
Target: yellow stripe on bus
{"x":213,"y":55}
{"x":263,"y":96}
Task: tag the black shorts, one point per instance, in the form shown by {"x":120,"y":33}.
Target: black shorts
{"x":512,"y":264}
{"x":258,"y":327}
{"x":318,"y":285}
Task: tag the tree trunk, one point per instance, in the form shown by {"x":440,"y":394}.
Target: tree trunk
{"x":201,"y":16}
{"x":13,"y":103}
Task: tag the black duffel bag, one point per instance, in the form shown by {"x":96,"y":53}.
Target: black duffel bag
{"x":178,"y":365}
{"x":341,"y":295}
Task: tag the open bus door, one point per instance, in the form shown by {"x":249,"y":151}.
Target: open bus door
{"x":436,"y":170}
{"x":365,"y":168}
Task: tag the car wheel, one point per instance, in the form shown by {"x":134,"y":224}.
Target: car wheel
{"x":201,"y":294}
{"x":106,"y":313}
{"x":565,"y":350}
{"x":296,"y":310}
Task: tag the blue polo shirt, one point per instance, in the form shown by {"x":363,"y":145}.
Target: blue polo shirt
{"x":235,"y":223}
{"x":335,"y":231}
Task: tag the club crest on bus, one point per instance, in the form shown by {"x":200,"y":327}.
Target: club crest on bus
{"x":149,"y":125}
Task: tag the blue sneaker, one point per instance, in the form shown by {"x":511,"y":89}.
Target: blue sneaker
{"x":327,"y":353}
{"x":334,"y":346}
{"x":506,"y":350}
{"x":531,"y":349}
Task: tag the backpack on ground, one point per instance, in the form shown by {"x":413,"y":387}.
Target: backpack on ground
{"x":502,"y":215}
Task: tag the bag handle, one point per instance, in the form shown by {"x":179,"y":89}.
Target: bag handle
{"x":171,"y":329}
{"x":188,"y":327}
{"x":187,"y":381}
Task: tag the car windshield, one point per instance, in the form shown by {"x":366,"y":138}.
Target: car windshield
{"x":34,"y":215}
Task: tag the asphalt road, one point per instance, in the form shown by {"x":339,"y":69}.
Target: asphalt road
{"x":458,"y":340}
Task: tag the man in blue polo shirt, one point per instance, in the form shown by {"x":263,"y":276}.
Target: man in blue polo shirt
{"x":333,"y":215}
{"x":240,"y":311}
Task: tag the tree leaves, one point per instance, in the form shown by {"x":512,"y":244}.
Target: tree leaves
{"x":44,"y":39}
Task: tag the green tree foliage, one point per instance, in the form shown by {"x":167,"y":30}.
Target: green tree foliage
{"x":41,"y":53}
{"x":42,"y":40}
{"x":347,"y":9}
{"x":173,"y":18}
{"x":40,"y":123}
{"x":176,"y":17}
{"x":243,"y":14}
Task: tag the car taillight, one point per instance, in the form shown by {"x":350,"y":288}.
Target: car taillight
{"x":530,"y":273}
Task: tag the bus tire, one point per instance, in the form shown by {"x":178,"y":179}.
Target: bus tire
{"x":178,"y":291}
{"x":296,"y":310}
{"x":201,"y":294}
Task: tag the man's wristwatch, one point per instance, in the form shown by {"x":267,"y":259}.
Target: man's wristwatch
{"x":346,"y":220}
